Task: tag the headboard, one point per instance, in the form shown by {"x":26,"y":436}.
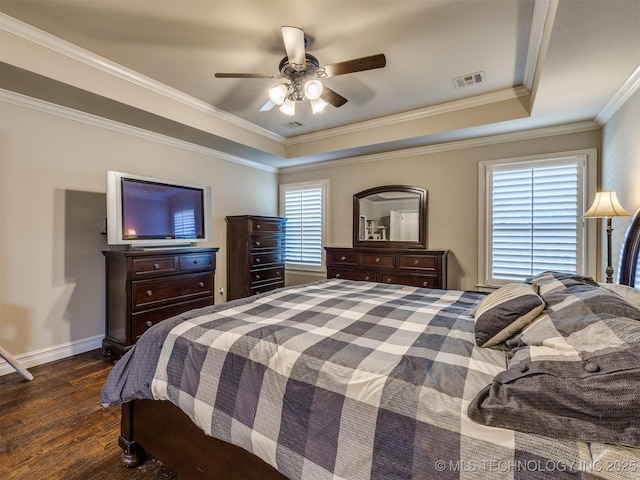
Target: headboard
{"x":629,"y":255}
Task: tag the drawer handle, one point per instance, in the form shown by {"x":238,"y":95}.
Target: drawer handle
{"x":201,"y":284}
{"x":257,"y":277}
{"x":196,"y":261}
{"x":149,"y":323}
{"x":258,"y":226}
{"x":149,"y":293}
{"x":277,"y":273}
{"x":367,"y":278}
{"x":156,"y":266}
{"x":257,"y":244}
{"x":416,"y":262}
{"x":343,"y":258}
{"x":424,"y":284}
{"x":257,"y":260}
{"x":388,"y":280}
{"x":377,"y":260}
{"x":337,"y":275}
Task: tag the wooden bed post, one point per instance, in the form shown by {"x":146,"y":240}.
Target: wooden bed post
{"x":132,"y":454}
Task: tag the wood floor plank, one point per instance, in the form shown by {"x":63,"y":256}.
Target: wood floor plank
{"x":54,"y":427}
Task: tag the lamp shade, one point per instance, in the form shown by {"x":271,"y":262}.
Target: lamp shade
{"x":606,"y":205}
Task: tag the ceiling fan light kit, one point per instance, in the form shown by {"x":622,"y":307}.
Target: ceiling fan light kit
{"x":303,"y":72}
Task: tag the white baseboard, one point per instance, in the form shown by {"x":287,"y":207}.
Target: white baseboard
{"x":50,"y":354}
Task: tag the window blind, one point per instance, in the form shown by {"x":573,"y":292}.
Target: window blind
{"x":303,"y":210}
{"x":535,"y":220}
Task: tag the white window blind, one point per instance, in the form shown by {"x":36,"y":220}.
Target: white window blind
{"x":303,"y":206}
{"x":533,"y":218}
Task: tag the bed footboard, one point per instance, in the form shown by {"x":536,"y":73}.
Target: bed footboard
{"x":162,"y":430}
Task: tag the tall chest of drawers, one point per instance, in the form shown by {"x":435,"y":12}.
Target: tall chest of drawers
{"x":146,"y":287}
{"x":413,"y":267}
{"x":255,"y":254}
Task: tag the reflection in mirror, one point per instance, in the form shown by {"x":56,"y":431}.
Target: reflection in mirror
{"x":390,"y":216}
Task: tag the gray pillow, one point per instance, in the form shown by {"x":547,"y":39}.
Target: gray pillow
{"x":506,"y":312}
{"x":594,"y":400}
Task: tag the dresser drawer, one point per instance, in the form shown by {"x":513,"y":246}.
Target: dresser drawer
{"x":260,"y":225}
{"x":197,"y":262}
{"x":152,"y":293}
{"x":377,"y":260}
{"x":143,"y":321}
{"x":265,"y":275}
{"x":418,"y":262}
{"x":263,"y":259}
{"x":343,"y":258}
{"x":410,"y":280}
{"x":266,"y":287}
{"x":345,"y":274}
{"x":266,"y":241}
{"x":155,"y":265}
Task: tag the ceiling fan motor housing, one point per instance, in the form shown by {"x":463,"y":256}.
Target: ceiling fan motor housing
{"x":298,"y":75}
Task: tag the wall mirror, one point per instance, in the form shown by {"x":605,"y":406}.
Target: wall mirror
{"x":390,"y":216}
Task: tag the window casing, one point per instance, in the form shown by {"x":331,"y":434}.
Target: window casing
{"x":530,"y":217}
{"x":305,"y":205}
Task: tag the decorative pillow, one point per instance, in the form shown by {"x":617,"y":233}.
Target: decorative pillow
{"x":574,"y":372}
{"x":630,"y":294}
{"x":505,"y":312}
{"x":594,"y":400}
{"x":549,"y":282}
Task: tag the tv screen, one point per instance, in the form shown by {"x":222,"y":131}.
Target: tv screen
{"x":148,"y":211}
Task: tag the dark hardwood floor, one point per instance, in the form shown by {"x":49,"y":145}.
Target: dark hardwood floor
{"x":54,"y":427}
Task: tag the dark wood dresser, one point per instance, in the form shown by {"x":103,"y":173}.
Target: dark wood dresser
{"x":146,"y":287}
{"x":255,"y":254}
{"x":413,"y":267}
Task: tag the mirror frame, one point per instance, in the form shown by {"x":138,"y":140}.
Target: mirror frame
{"x":422,"y":218}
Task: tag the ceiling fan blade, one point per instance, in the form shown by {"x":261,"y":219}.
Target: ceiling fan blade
{"x":332,"y":97}
{"x":267,"y":106}
{"x":294,"y":45}
{"x":248,"y":75}
{"x":356,"y":65}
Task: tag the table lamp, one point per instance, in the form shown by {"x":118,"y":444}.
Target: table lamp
{"x":606,"y":205}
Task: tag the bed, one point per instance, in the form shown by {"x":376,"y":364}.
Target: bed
{"x":345,"y":379}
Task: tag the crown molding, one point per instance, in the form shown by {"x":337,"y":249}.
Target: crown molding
{"x":56,"y":44}
{"x":450,"y":146}
{"x":538,"y":39}
{"x":626,"y":91}
{"x":390,"y":120}
{"x":96,"y":121}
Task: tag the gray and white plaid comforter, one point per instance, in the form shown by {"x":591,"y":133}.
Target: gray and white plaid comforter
{"x":342,"y":379}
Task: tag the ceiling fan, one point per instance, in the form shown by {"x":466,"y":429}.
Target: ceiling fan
{"x":301,"y":73}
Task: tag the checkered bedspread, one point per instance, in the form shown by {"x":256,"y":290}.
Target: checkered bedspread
{"x":355,"y":380}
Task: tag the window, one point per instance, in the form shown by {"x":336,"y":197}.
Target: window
{"x":304,"y":206}
{"x":531,"y":217}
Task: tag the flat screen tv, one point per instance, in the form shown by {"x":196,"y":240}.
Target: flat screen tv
{"x":149,"y":212}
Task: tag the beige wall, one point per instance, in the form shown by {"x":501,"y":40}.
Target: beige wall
{"x":52,"y":207}
{"x":621,"y":169}
{"x":52,"y":210}
{"x":450,"y":177}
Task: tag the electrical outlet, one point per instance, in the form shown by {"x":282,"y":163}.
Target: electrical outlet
{"x":221,"y":290}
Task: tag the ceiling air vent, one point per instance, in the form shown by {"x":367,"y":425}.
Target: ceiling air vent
{"x":471,"y":79}
{"x":294,"y":124}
